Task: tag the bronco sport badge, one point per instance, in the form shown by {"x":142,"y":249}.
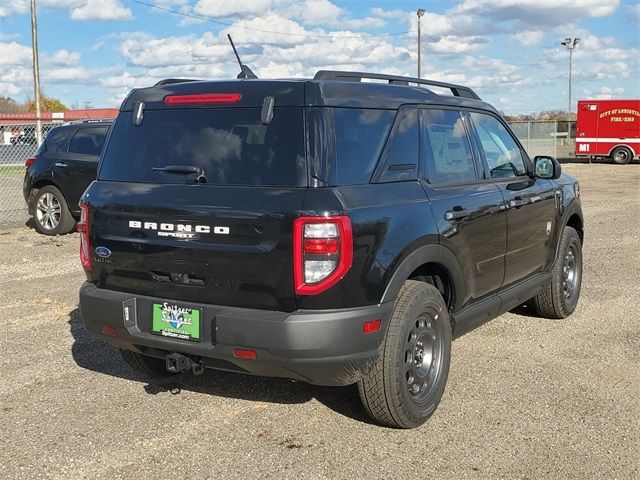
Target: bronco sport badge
{"x":177,"y":230}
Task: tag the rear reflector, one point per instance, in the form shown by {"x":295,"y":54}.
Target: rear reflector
{"x":111,"y":331}
{"x":224,"y":98}
{"x":243,"y":353}
{"x":29,"y":161}
{"x":372,"y":326}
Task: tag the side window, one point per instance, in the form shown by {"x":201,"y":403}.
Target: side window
{"x":88,"y":141}
{"x":399,"y":160}
{"x":56,"y":140}
{"x":500,"y":149}
{"x":360,"y":136}
{"x":446,"y":151}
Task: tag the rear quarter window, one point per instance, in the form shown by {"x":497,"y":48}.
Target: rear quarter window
{"x":57,"y":140}
{"x":345,"y":143}
{"x":399,"y":161}
{"x":360,"y":136}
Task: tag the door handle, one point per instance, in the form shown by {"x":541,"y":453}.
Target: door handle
{"x":517,"y":202}
{"x":60,"y":164}
{"x":456,"y":214}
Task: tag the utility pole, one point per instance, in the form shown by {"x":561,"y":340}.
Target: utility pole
{"x":571,"y":44}
{"x":420,"y":13}
{"x":36,"y":70}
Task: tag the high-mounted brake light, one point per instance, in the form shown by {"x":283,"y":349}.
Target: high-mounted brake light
{"x":83,"y":230}
{"x":29,"y":161}
{"x":322,"y":252}
{"x":203,"y":98}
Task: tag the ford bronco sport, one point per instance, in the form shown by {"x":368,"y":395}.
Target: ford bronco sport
{"x":327,"y":230}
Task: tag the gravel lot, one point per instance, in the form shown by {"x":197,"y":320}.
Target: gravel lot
{"x":527,"y":398}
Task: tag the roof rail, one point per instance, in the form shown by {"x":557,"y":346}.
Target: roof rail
{"x":456,"y":90}
{"x":78,"y":121}
{"x":169,"y":81}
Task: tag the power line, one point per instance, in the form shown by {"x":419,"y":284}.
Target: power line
{"x":226,"y":24}
{"x":394,"y":34}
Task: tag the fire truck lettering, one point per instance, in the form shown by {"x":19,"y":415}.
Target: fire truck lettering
{"x":620,"y":111}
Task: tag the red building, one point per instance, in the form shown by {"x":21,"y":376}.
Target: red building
{"x":15,"y":127}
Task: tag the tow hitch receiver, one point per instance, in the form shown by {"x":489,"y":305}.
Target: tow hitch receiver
{"x":177,"y":363}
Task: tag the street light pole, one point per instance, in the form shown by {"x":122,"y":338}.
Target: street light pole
{"x":36,"y":70}
{"x":420,"y":13}
{"x":571,"y":44}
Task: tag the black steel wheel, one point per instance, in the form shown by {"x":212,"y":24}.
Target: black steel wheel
{"x":560,"y":296}
{"x":423,"y":356}
{"x":405,"y":385}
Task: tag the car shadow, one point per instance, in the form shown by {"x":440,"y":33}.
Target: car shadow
{"x":525,"y":310}
{"x":93,"y":354}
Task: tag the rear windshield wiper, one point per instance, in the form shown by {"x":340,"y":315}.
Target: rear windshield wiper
{"x":184,"y":169}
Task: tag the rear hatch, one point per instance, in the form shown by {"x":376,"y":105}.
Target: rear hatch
{"x":197,"y":203}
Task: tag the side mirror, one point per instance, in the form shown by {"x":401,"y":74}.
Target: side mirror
{"x":546,"y":167}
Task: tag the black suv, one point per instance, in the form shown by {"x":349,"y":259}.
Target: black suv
{"x":329,"y":230}
{"x":60,"y":171}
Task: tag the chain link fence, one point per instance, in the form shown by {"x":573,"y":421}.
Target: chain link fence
{"x":17,"y":143}
{"x":556,"y":138}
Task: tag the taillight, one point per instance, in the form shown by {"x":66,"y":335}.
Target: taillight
{"x":223,"y":98}
{"x":83,"y":230}
{"x":322,"y":252}
{"x":29,"y":161}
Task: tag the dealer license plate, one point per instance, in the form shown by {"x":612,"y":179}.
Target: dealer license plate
{"x":176,"y":321}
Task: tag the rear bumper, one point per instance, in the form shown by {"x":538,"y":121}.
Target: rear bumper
{"x":325,"y":347}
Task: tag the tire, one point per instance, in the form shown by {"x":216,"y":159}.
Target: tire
{"x":51,"y":214}
{"x":560,"y":296}
{"x":621,"y":155}
{"x":405,"y":385}
{"x":149,"y":366}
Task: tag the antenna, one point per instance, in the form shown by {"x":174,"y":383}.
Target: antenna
{"x":245,"y":72}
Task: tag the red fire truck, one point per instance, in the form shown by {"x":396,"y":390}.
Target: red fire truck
{"x":608,"y":128}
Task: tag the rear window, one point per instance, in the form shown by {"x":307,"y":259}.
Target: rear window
{"x":231,"y":145}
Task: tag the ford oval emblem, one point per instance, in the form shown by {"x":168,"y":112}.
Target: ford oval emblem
{"x":103,"y":252}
